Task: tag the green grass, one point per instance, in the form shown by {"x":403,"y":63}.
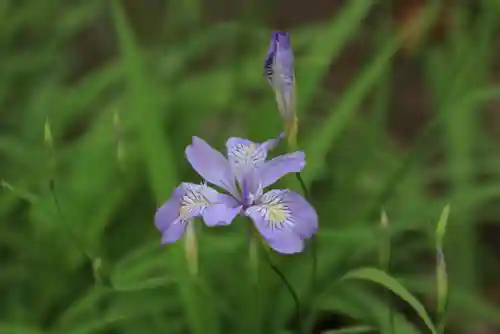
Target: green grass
{"x":162,"y":97}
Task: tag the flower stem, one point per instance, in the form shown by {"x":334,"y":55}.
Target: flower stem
{"x":290,"y":289}
{"x":254,"y":255}
{"x":64,"y":221}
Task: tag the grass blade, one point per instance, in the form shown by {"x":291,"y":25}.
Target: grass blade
{"x":381,"y":278}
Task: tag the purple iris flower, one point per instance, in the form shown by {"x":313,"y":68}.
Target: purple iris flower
{"x":283,"y":217}
{"x":280,"y":73}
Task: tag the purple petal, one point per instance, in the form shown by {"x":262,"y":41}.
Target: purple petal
{"x":195,"y":199}
{"x":211,"y":165}
{"x":175,"y":231}
{"x":287,"y":244}
{"x":283,"y":77}
{"x":230,"y":201}
{"x":279,"y":51}
{"x":284,"y":55}
{"x":274,"y":169}
{"x":189,"y":201}
{"x":302,"y":211}
{"x":271,"y":144}
{"x":283,"y":218}
{"x":282,"y":240}
{"x":244,"y":156}
{"x":220,"y":214}
{"x":168,"y":212}
{"x":270,"y":57}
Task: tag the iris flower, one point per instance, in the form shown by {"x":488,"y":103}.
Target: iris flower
{"x":282,"y":217}
{"x":280,"y":73}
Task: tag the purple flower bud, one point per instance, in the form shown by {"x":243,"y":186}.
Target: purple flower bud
{"x":280,"y":73}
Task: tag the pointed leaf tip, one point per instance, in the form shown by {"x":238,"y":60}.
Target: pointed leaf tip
{"x":380,"y":277}
{"x":441,"y":226}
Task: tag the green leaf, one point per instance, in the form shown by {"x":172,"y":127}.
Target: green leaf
{"x":441,"y":226}
{"x":145,"y":111}
{"x":324,"y":46}
{"x":18,"y":329}
{"x":320,"y":142}
{"x":148,"y":118}
{"x":381,"y":278}
{"x":351,"y":330}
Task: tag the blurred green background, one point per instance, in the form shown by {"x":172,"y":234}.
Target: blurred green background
{"x":399,"y":109}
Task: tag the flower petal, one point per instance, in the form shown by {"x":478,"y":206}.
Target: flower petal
{"x":284,"y":62}
{"x":220,"y":214}
{"x":174,"y":231}
{"x":195,"y":199}
{"x":270,"y":58}
{"x":211,"y":165}
{"x":279,"y":59}
{"x":283,"y":218}
{"x":281,"y":239}
{"x":274,"y":169}
{"x":169,"y":211}
{"x":245,"y":156}
{"x":189,"y":201}
{"x":287,"y":244}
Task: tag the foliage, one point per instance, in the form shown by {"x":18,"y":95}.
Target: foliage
{"x":79,"y":250}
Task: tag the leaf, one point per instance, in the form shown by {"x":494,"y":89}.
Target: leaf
{"x":324,"y":46}
{"x":148,"y":117}
{"x":18,"y":329}
{"x":381,"y":278}
{"x":322,"y":139}
{"x":441,"y":226}
{"x":351,"y":330}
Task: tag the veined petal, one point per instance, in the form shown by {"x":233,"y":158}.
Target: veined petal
{"x":189,"y":201}
{"x":211,"y":165}
{"x":245,"y":155}
{"x":274,"y":169}
{"x":284,"y":219}
{"x":195,"y":199}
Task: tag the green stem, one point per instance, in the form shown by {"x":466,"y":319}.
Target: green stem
{"x":290,"y":289}
{"x":385,"y":263}
{"x":65,"y":222}
{"x":254,"y":256}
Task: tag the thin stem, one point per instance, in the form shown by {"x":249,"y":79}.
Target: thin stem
{"x":64,"y":221}
{"x":102,"y":280}
{"x":290,"y":289}
{"x":254,"y":255}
